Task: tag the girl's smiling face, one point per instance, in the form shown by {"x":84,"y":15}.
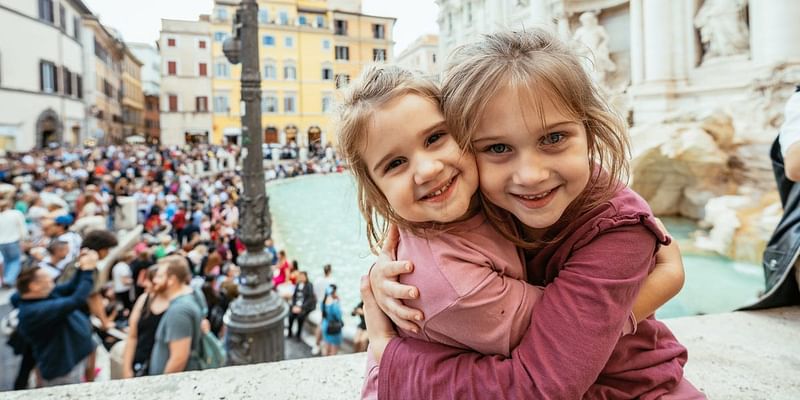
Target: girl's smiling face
{"x":533,"y":159}
{"x":416,"y":163}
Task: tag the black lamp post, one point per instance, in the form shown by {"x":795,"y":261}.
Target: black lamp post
{"x":255,"y":318}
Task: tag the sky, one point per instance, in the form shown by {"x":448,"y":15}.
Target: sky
{"x":140,"y":20}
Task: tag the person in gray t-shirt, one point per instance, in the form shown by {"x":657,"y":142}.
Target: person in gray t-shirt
{"x":179,"y":331}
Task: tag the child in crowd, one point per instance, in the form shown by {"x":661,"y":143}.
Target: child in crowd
{"x":412,"y":172}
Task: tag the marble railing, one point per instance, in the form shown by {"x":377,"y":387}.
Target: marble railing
{"x":741,"y":355}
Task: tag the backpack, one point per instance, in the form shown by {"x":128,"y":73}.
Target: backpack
{"x":210,"y":352}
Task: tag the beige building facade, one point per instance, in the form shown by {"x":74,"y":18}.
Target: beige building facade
{"x":422,"y":55}
{"x":41,"y":74}
{"x":186,"y":92}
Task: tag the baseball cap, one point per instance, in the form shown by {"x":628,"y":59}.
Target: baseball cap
{"x":64,"y":220}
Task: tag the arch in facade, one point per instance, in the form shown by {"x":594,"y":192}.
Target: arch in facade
{"x":48,"y":128}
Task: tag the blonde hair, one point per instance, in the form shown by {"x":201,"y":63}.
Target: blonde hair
{"x":535,"y":61}
{"x":376,"y":86}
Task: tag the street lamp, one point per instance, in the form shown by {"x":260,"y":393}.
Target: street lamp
{"x":255,"y":318}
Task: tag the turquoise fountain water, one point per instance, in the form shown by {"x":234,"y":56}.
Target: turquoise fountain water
{"x":316,"y":220}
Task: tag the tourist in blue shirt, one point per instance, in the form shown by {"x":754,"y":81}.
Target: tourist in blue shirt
{"x":50,"y":320}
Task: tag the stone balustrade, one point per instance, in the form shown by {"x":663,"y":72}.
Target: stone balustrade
{"x":740,"y":355}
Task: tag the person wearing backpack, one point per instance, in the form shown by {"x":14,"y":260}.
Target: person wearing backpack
{"x":332,"y":322}
{"x":178,"y":335}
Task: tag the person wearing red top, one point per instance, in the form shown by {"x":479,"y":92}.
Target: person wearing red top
{"x":283,"y":269}
{"x":179,"y":224}
{"x":551,"y":157}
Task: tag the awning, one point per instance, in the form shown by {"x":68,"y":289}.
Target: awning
{"x":232,"y":132}
{"x":135,"y":139}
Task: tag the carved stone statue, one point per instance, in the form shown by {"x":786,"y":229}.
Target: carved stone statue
{"x":723,"y":29}
{"x":594,"y":39}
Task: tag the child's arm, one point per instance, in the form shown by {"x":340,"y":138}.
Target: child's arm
{"x":662,"y":284}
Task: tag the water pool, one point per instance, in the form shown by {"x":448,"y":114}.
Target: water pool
{"x":316,"y":220}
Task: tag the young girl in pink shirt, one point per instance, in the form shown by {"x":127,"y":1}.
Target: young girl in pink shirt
{"x":411,"y":171}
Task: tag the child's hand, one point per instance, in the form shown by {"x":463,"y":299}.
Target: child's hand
{"x":387,"y":291}
{"x":379,"y":328}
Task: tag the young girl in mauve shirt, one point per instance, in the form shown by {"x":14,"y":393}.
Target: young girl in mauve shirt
{"x":412,"y":172}
{"x":551,"y":157}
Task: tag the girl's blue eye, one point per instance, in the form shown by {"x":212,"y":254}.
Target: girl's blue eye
{"x":434,"y":138}
{"x":394,"y":164}
{"x":497,"y":148}
{"x":553,"y":138}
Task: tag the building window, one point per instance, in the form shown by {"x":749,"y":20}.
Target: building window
{"x":173,"y":103}
{"x":327,"y":103}
{"x":108,"y":90}
{"x":172,"y":67}
{"x":221,"y":14}
{"x":79,"y":86}
{"x":326,"y":44}
{"x":221,"y":104}
{"x":302,"y":20}
{"x":289,"y":71}
{"x":340,"y":27}
{"x":433,"y":58}
{"x":62,"y":17}
{"x":201,"y":104}
{"x":268,"y":40}
{"x":48,"y":80}
{"x":46,"y":11}
{"x":76,"y":27}
{"x":222,"y":69}
{"x":270,"y":71}
{"x":290,"y":103}
{"x":342,"y":79}
{"x":288,"y":42}
{"x":320,"y":21}
{"x":378,"y":31}
{"x":327,"y":73}
{"x":283,"y":17}
{"x":220,"y":36}
{"x":201,"y":44}
{"x":269,"y":103}
{"x":202,"y":69}
{"x":171,"y":42}
{"x":378,"y":54}
{"x":67,"y":81}
{"x":342,"y":53}
{"x":449,"y":22}
{"x":101,"y":53}
{"x":263,"y":16}
{"x":469,"y":12}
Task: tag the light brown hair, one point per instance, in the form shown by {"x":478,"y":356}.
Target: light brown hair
{"x":376,"y":86}
{"x":178,"y":267}
{"x":535,"y":61}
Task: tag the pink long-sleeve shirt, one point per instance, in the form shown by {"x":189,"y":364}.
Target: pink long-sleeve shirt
{"x":472,"y":288}
{"x":572,"y":348}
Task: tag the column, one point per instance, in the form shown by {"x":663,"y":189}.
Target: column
{"x":637,"y":42}
{"x":658,"y":40}
{"x":775,"y":31}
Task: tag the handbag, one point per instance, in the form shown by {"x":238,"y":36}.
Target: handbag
{"x":334,"y":327}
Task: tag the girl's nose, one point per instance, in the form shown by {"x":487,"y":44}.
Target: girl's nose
{"x":427,"y":169}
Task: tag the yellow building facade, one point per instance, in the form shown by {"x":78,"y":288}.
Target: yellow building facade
{"x":359,"y":40}
{"x":297,"y":42}
{"x":132,"y":96}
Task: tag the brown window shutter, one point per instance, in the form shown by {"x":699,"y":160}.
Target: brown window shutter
{"x":41,"y":76}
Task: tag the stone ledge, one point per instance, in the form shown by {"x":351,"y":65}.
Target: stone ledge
{"x":741,"y":355}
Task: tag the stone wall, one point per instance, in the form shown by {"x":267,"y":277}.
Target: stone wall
{"x":741,"y":355}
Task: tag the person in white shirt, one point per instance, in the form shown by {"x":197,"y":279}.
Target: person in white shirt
{"x":14,"y":230}
{"x":122,"y":280}
{"x":56,"y":259}
{"x":790,"y":137}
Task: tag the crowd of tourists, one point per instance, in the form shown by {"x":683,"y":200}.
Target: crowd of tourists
{"x":86,"y":275}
